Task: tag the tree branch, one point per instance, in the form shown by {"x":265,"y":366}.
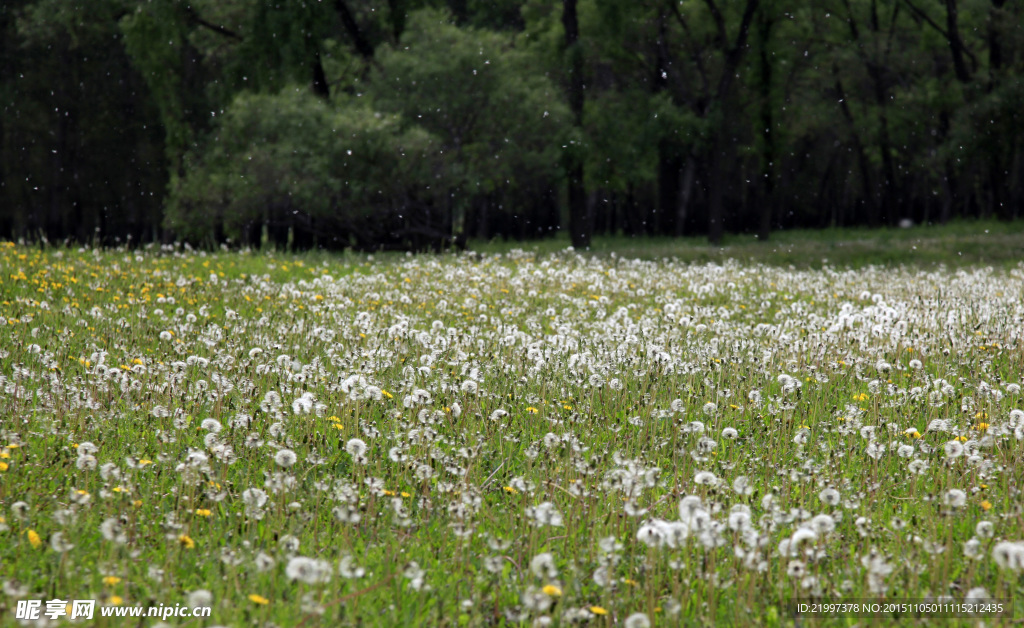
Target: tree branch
{"x":694,"y":52}
{"x":716,"y":14}
{"x":195,"y":19}
{"x":734,"y":54}
{"x":363,"y":45}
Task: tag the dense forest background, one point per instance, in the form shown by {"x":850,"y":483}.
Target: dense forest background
{"x":420,"y":123}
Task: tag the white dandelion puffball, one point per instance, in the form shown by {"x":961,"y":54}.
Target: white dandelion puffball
{"x":285,"y":458}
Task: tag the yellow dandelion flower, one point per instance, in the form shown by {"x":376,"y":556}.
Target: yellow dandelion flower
{"x":115,"y":600}
{"x":986,"y":505}
{"x":532,"y":410}
{"x":111,"y":580}
{"x":552,"y":590}
{"x":203,"y":512}
{"x":509,"y":489}
{"x":186,"y":541}
{"x":258,"y":599}
{"x":33,"y":538}
{"x":598,"y":610}
{"x":3,"y":466}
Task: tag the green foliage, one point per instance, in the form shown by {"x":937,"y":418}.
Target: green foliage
{"x":770,"y":112}
{"x":503,"y":126}
{"x":293,"y":159}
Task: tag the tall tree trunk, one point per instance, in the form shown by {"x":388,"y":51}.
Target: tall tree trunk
{"x":862,"y":158}
{"x":670,"y":166}
{"x":355,"y":33}
{"x":733,"y":55}
{"x":956,"y":45}
{"x":765,"y":211}
{"x":716,"y":207}
{"x":580,"y":223}
{"x":320,"y":86}
{"x":685,"y":193}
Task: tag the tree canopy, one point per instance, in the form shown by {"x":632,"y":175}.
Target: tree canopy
{"x":420,"y":123}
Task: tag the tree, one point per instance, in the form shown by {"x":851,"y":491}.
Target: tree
{"x":311,"y":173}
{"x":501,"y":125}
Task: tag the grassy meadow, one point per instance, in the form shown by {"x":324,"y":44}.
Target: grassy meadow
{"x":515,"y":437}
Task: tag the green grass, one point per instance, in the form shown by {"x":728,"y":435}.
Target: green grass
{"x":486,"y":387}
{"x":961,"y":243}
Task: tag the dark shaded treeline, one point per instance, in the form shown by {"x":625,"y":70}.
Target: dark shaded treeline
{"x":418,"y":123}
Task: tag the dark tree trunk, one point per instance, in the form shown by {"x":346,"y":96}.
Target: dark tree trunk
{"x":670,"y":166}
{"x":397,"y":12}
{"x":716,"y":207}
{"x":580,"y":223}
{"x":460,"y":10}
{"x":685,"y":194}
{"x":320,"y":86}
{"x":733,"y":56}
{"x":862,"y":158}
{"x":355,"y":33}
{"x":956,"y":45}
{"x":765,"y":211}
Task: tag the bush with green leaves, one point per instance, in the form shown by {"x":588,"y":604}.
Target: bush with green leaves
{"x":504,"y":126}
{"x":337,"y":172}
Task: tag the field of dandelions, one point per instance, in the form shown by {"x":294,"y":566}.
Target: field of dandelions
{"x":517,"y":439}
